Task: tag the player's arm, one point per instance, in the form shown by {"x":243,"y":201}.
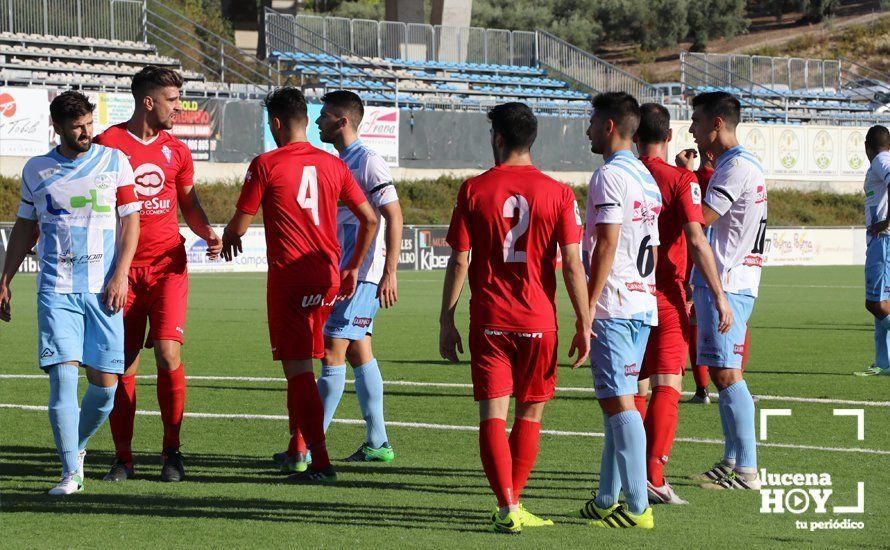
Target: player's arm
{"x":388,"y":290}
{"x":876,"y":229}
{"x":24,"y":236}
{"x":449,"y":338}
{"x":115,"y":294}
{"x":601,"y":259}
{"x":709,"y":214}
{"x":576,"y":285}
{"x":231,"y":238}
{"x":703,"y":258}
{"x":367,"y":228}
{"x":195,"y":217}
{"x":249,"y":202}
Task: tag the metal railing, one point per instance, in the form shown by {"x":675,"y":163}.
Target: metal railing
{"x":287,"y":34}
{"x":589,"y":71}
{"x":776,"y":73}
{"x":852,"y":75}
{"x":109,"y":19}
{"x":206,"y":52}
{"x":415,"y":41}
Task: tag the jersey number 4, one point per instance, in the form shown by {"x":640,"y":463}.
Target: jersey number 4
{"x":513,"y":205}
{"x":307,"y":195}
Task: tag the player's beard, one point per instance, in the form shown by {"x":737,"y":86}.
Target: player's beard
{"x":81,"y":143}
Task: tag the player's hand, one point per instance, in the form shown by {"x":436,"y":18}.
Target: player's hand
{"x":231,"y":246}
{"x":449,"y":341}
{"x":214,"y":245}
{"x":348,"y":282}
{"x":686,"y":159}
{"x":388,"y":292}
{"x":115,"y":294}
{"x":724,"y":314}
{"x":5,"y":306}
{"x":581,"y":344}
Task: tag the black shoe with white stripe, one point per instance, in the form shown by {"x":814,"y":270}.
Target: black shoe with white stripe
{"x":719,"y":470}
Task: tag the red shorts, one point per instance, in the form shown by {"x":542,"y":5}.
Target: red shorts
{"x":513,"y":363}
{"x":158,"y":296}
{"x":297,"y":315}
{"x":668,"y":346}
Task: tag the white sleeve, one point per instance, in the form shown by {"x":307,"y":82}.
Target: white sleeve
{"x":127,"y":200}
{"x":378,"y":183}
{"x":607,"y":196}
{"x":27,"y":210}
{"x":727,"y":185}
{"x":884,"y":169}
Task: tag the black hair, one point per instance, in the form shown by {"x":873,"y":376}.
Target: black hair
{"x":878,"y":138}
{"x":655,"y":123}
{"x":69,"y":105}
{"x":516,"y":123}
{"x":152,"y":77}
{"x":620,"y":107}
{"x":720,"y":104}
{"x":347,"y":101}
{"x":286,"y":103}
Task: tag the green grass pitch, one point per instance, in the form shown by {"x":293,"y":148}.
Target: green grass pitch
{"x":809,"y":331}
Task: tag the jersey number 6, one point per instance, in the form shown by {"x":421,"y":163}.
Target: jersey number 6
{"x":307,"y":195}
{"x":645,"y":257}
{"x":511,"y":205}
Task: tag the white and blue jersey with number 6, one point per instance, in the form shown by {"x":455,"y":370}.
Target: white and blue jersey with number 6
{"x":623,"y":192}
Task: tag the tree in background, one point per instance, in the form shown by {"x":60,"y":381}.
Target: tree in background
{"x":709,"y":19}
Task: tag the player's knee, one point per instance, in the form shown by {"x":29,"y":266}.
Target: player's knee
{"x":168,"y":359}
{"x":333,"y":358}
{"x":532,"y":412}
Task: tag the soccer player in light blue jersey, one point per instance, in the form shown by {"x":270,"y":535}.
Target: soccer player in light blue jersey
{"x":735,"y":209}
{"x":80,"y":200}
{"x":877,"y":251}
{"x":351,"y":323}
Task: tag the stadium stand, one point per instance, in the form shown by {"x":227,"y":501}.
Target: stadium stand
{"x":790,"y":90}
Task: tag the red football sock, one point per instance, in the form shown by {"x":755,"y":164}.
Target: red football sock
{"x":296,"y":444}
{"x":303,"y":393}
{"x":494,"y":449}
{"x":122,"y":417}
{"x":171,"y":398}
{"x":746,"y":349}
{"x":661,"y":424}
{"x":699,"y":372}
{"x":640,"y":402}
{"x":524,"y":450}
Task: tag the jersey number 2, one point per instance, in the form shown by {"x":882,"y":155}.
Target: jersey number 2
{"x":307,"y":195}
{"x":511,"y":205}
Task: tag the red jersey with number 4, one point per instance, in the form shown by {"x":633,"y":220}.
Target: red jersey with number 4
{"x":298,"y":187}
{"x":514,"y":218}
{"x":681,"y":204}
{"x":161,"y":166}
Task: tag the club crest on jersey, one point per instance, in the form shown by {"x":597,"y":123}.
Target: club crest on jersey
{"x":696,"y":193}
{"x":760,"y":194}
{"x":149,"y":179}
{"x":104,"y":181}
{"x":46,"y":173}
{"x":168,"y":154}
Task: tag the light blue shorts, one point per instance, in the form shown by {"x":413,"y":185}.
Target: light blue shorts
{"x":616,"y":355}
{"x":78,"y":327}
{"x":877,"y":269}
{"x":723,"y":351}
{"x":352,"y":319}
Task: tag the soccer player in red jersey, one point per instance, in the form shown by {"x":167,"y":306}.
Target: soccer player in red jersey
{"x":680,"y":223}
{"x":686,"y":159}
{"x":158,"y":281}
{"x":513,"y":218}
{"x":298,"y":187}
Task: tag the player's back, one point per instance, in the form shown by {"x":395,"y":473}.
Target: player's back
{"x":298,"y":187}
{"x":681,"y":204}
{"x":515,"y":217}
{"x":737,"y":191}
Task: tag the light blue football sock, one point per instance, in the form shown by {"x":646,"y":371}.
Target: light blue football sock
{"x":94,"y":410}
{"x":610,"y":482}
{"x":369,"y":389}
{"x":728,"y":439}
{"x":881,"y":346}
{"x":63,"y":413}
{"x":330,"y":386}
{"x":740,"y":407}
{"x":630,"y":449}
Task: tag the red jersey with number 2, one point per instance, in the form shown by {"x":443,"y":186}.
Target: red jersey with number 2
{"x":514,"y":218}
{"x":298,"y":187}
{"x":161,"y":166}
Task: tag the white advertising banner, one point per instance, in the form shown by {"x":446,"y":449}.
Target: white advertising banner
{"x":252,"y":259}
{"x":111,"y":109}
{"x":795,"y":152}
{"x":379,"y":130}
{"x":815,"y":246}
{"x":25,"y":129}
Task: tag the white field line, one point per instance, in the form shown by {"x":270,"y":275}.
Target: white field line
{"x":451,"y":427}
{"x":455,"y":385}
